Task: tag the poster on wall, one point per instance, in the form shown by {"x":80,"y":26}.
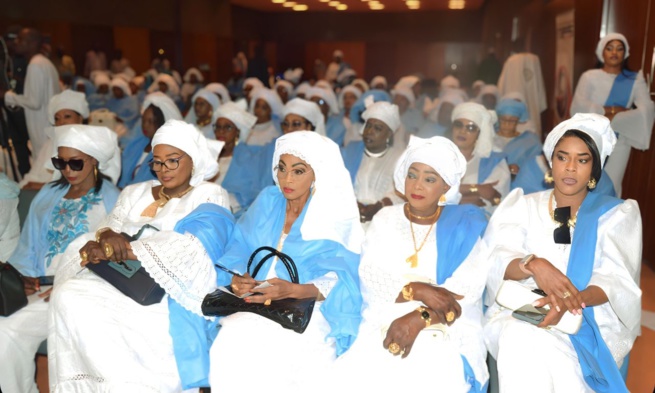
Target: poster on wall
{"x":565,"y":24}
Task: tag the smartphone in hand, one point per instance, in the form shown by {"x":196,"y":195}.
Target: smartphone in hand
{"x":530,"y":314}
{"x":46,"y":280}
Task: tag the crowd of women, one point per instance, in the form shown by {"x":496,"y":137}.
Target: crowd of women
{"x":405,"y":218}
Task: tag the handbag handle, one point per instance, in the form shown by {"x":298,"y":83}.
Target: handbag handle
{"x":288,"y":262}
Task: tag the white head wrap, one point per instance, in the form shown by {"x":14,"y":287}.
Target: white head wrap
{"x":270,"y":97}
{"x":293,"y":75}
{"x":208,"y":96}
{"x":187,"y":138}
{"x":221,"y":90}
{"x":164,"y":103}
{"x":288,"y":86}
{"x":379,"y":79}
{"x":611,"y":37}
{"x":362,"y":82}
{"x":348,"y":89}
{"x":451,"y":96}
{"x":384,"y":111}
{"x":332,"y":213}
{"x":327,"y":95}
{"x":596,"y":126}
{"x":405,"y":92}
{"x":449,"y":82}
{"x":439,"y":153}
{"x":309,"y":110}
{"x":488,"y":89}
{"x":100,"y":143}
{"x":407,"y":81}
{"x":323,"y":84}
{"x":302,"y":88}
{"x":193,"y":71}
{"x":173,"y":87}
{"x":479,"y":115}
{"x":100,"y":78}
{"x":68,"y":99}
{"x":237,"y":115}
{"x":254,"y":82}
{"x":349,"y":73}
{"x":121,"y":84}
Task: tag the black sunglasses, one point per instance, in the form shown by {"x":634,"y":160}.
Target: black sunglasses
{"x":75,"y":164}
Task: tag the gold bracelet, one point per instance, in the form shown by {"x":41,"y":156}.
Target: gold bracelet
{"x":425,"y":315}
{"x":408,"y":293}
{"x":100,"y":231}
{"x":473,"y":188}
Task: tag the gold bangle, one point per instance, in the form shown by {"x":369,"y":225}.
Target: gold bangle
{"x":100,"y":231}
{"x":408,"y":293}
{"x":473,"y":188}
{"x":425,"y":315}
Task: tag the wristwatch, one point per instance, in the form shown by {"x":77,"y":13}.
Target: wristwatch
{"x":425,"y":315}
{"x":408,"y":293}
{"x":524,"y":262}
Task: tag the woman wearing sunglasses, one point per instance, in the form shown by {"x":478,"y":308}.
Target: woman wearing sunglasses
{"x":487,"y":176}
{"x":115,"y":343}
{"x":75,"y":203}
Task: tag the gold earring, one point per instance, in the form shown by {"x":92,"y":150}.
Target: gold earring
{"x":95,"y":172}
{"x":591,"y":184}
{"x":442,"y":200}
{"x":548,"y":177}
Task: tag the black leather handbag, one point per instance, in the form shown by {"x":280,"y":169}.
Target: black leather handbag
{"x":293,"y":314}
{"x":130,"y":277}
{"x":12,"y":290}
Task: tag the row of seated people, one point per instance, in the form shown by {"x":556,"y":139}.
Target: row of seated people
{"x":402,"y":299}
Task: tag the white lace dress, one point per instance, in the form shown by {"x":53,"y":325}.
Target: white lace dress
{"x":437,"y":352}
{"x":102,"y":341}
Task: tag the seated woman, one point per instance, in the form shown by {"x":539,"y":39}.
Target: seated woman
{"x":157,"y":109}
{"x":438,"y":119}
{"x":487,"y":176}
{"x":583,"y":250}
{"x":267,"y":107}
{"x":101,"y":95}
{"x":518,"y":147}
{"x":167,"y":85}
{"x":284,"y":90}
{"x":310,"y":215}
{"x":411,"y":117}
{"x":300,"y":115}
{"x":221,"y":92}
{"x":371,"y":162}
{"x":427,"y":308}
{"x":75,"y":203}
{"x":67,"y":107}
{"x":524,"y":125}
{"x":347,"y":98}
{"x":353,"y":133}
{"x":489,"y":97}
{"x":203,"y":105}
{"x":123,"y":103}
{"x":103,"y":340}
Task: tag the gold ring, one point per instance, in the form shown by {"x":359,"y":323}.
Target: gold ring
{"x":109,"y":250}
{"x":450,"y":316}
{"x":267,"y":302}
{"x":497,"y":201}
{"x":394,"y":348}
{"x":84,"y":256}
{"x":566,"y":294}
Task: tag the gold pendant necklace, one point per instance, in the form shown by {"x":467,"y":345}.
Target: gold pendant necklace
{"x":571,"y":221}
{"x":413,"y":259}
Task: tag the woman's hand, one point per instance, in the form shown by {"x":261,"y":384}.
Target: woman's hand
{"x":46,"y":295}
{"x":555,"y":313}
{"x":114,"y":246}
{"x":282,"y":289}
{"x":93,"y":252}
{"x":31,"y":285}
{"x":560,"y":290}
{"x":366,"y":212}
{"x":403,"y":332}
{"x":514,"y":169}
{"x":440,"y":300}
{"x":488,"y":192}
{"x":243,"y":285}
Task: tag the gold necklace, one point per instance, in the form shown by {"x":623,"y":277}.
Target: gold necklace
{"x":413,"y":259}
{"x":571,"y":221}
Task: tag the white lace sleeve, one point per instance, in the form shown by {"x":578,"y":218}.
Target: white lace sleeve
{"x":325,"y":283}
{"x":116,"y":218}
{"x":180,"y":264}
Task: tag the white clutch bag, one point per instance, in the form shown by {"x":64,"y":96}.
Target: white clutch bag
{"x":514,"y":295}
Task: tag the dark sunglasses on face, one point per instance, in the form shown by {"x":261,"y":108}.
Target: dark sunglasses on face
{"x":470,"y":127}
{"x":75,"y":164}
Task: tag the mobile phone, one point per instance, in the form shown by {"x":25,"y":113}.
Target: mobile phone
{"x":46,"y":280}
{"x":530,"y":314}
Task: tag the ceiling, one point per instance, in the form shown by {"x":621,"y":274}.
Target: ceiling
{"x":357,"y":5}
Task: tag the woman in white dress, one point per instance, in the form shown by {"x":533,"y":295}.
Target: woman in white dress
{"x":102,"y":340}
{"x":266,"y":105}
{"x":487,"y":177}
{"x":310,"y":215}
{"x":583,"y":249}
{"x":622,"y":96}
{"x":422,"y":274}
{"x":203,"y":105}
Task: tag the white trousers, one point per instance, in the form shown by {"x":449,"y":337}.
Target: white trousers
{"x":20,"y":336}
{"x":617,"y":163}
